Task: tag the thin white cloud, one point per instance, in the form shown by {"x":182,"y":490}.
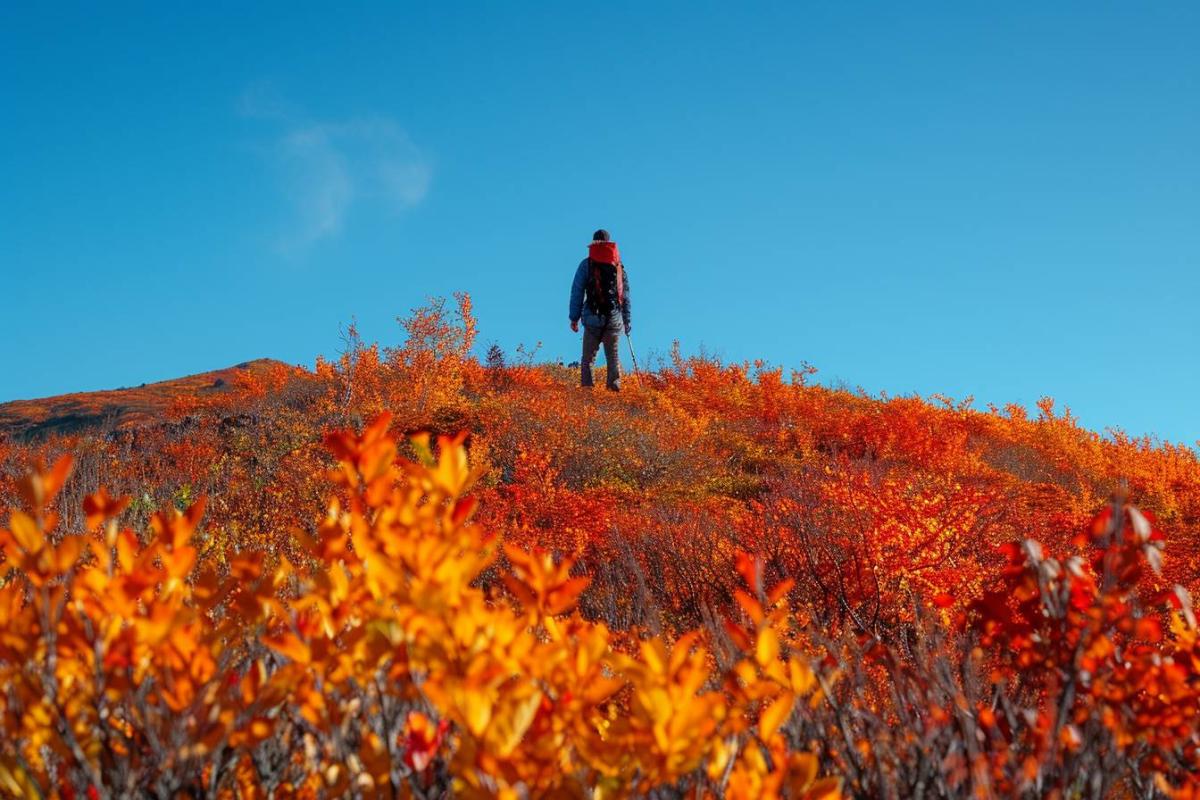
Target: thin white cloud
{"x":318,"y":183}
{"x":328,"y":169}
{"x":261,"y":100}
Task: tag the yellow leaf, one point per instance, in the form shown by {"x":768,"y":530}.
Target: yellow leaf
{"x":767,"y":650}
{"x":722,"y":752}
{"x":339,"y":584}
{"x":453,"y":472}
{"x":509,"y":728}
{"x":681,"y":650}
{"x":16,"y":782}
{"x":478,"y":711}
{"x":26,"y":532}
{"x":126,"y":551}
{"x":655,"y":656}
{"x":775,"y":715}
{"x":420,"y":444}
{"x":801,"y":676}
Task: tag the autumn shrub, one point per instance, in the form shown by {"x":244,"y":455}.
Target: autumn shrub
{"x":420,"y":381}
{"x":881,"y":517}
{"x":374,"y":668}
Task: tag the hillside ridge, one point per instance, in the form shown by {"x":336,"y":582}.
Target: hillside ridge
{"x":122,"y":408}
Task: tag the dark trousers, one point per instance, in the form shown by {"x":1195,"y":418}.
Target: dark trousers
{"x":610,"y":337}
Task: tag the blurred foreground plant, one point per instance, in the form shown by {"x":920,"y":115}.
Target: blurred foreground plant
{"x":376,"y":667}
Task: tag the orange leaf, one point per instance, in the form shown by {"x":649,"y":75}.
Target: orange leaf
{"x":563,"y":597}
{"x":825,"y":789}
{"x":749,"y":605}
{"x":779,"y":590}
{"x":26,"y":533}
{"x":749,"y":567}
{"x":100,"y":506}
{"x":57,"y":477}
{"x":740,"y":638}
{"x":287,"y":644}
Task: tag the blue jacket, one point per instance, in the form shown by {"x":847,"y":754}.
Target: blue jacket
{"x":580,"y":310}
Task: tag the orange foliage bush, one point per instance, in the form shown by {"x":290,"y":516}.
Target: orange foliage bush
{"x":130,"y":668}
{"x":612,"y":638}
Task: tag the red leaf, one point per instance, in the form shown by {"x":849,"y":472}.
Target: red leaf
{"x":1148,"y":629}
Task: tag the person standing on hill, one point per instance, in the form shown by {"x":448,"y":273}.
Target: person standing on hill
{"x":600,"y":297}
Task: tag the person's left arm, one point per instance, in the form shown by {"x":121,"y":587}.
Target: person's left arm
{"x":575,"y":309}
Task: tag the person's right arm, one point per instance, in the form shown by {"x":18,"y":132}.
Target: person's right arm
{"x":627,"y":306}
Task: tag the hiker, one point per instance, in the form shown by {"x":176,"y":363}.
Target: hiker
{"x":600,"y":297}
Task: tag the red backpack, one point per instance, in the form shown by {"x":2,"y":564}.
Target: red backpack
{"x":606,"y":278}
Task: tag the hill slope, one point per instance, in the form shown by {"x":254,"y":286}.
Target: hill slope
{"x":894,"y":531}
{"x":118,"y":408}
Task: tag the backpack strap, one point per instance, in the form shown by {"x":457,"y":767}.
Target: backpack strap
{"x":597,"y":286}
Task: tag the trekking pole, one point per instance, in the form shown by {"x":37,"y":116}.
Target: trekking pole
{"x":629,"y":340}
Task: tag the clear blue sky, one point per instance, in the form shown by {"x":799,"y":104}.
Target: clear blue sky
{"x":994,"y":199}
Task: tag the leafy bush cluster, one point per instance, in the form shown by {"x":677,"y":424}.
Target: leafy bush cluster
{"x":897,"y":626}
{"x":374,"y":668}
